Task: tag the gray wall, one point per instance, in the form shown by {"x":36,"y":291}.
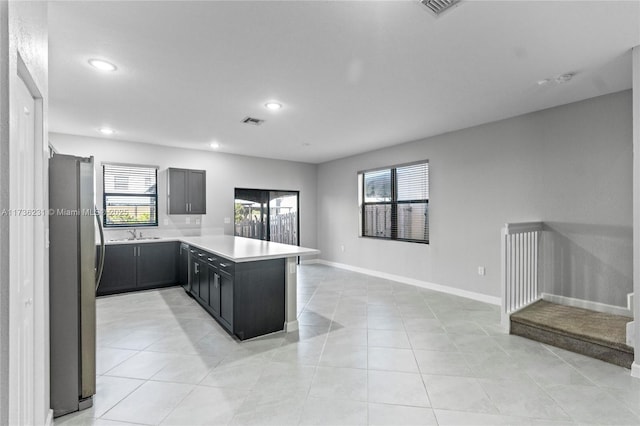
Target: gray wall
{"x":587,"y":199}
{"x":224,"y":173}
{"x":569,"y":166}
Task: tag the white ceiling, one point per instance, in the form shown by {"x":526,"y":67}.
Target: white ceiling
{"x":353,"y":75}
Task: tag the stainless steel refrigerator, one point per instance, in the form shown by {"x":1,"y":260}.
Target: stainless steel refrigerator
{"x":73,"y":278}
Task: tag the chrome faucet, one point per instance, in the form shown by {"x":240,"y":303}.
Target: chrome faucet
{"x":133,"y":234}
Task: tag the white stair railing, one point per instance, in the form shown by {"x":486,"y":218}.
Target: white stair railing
{"x":520,"y":246}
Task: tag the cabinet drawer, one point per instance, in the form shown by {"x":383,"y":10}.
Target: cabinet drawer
{"x":212,"y":260}
{"x":226,"y":266}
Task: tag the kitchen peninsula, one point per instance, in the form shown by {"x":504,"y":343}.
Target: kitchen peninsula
{"x":247,"y":285}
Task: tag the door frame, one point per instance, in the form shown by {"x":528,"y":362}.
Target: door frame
{"x":40,"y":397}
{"x":635,"y":67}
{"x":268,"y":227}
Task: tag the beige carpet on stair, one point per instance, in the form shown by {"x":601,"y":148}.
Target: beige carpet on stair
{"x":597,"y":327}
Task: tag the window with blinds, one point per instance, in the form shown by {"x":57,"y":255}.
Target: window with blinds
{"x":394,"y":202}
{"x":130,"y":195}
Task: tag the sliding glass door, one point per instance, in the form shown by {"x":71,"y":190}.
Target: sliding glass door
{"x":267,"y":215}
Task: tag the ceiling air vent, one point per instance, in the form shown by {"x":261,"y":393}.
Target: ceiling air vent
{"x":438,"y":6}
{"x":254,"y":121}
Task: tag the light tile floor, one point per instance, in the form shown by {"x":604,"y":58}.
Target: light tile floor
{"x":369,"y":351}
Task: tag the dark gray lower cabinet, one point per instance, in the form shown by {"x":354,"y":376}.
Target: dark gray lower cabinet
{"x":226,"y":299}
{"x":183,"y":266}
{"x":157,"y":265}
{"x":129,"y":267}
{"x":119,"y":273}
{"x":246,"y":298}
{"x":214,"y":291}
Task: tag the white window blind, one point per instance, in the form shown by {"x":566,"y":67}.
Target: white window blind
{"x":395,"y":203}
{"x":130,"y":195}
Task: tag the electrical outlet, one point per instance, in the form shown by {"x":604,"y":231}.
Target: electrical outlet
{"x":342,"y":247}
{"x":227,"y":220}
{"x":188,"y":220}
{"x":197,"y":221}
{"x":481,"y":270}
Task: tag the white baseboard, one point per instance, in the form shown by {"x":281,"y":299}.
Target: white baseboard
{"x":630,"y":333}
{"x":635,"y":370}
{"x":49,"y":421}
{"x":586,"y":304}
{"x":309,"y":262}
{"x":418,"y":283}
{"x":291,"y":326}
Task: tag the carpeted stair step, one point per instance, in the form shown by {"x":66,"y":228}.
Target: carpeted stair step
{"x":595,"y":334}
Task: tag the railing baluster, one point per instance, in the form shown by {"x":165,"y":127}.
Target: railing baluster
{"x":535,"y":262}
{"x":534,"y":266}
{"x":525,"y":282}
{"x":529,"y":283}
{"x":520,"y":272}
{"x":514,"y":271}
{"x":527,"y":270}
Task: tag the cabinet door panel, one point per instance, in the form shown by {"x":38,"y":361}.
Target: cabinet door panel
{"x":177,"y":191}
{"x":197,"y":184}
{"x":194,"y":276}
{"x":119,"y":272}
{"x":226,"y":299}
{"x":214,"y":291}
{"x":157,"y":264}
{"x":204,"y":282}
{"x":183,"y":266}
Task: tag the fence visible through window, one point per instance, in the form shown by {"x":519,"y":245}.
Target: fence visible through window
{"x":267,"y":215}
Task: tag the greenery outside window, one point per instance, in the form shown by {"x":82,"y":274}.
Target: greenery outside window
{"x":130,"y":195}
{"x":394,"y":202}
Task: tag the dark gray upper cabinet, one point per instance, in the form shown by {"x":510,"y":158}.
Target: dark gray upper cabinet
{"x":187,"y":191}
{"x":197,"y":191}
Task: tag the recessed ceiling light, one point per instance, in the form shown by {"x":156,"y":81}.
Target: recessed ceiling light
{"x":214,"y":145}
{"x":106,"y":131}
{"x":564,"y":77}
{"x":273,"y":106}
{"x":102,"y":65}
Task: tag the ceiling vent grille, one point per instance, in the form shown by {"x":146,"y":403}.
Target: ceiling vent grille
{"x":438,"y":6}
{"x":254,"y":121}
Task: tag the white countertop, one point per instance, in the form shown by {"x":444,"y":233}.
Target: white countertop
{"x":237,"y":249}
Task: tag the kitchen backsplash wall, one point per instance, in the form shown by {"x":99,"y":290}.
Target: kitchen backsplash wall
{"x":225,"y":172}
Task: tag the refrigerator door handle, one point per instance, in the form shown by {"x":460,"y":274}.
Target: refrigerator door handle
{"x":102,"y":248}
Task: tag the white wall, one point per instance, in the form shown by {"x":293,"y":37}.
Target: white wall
{"x":4,"y":221}
{"x":23,"y":30}
{"x":635,"y":368}
{"x":570,"y":166}
{"x":225,"y":172}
